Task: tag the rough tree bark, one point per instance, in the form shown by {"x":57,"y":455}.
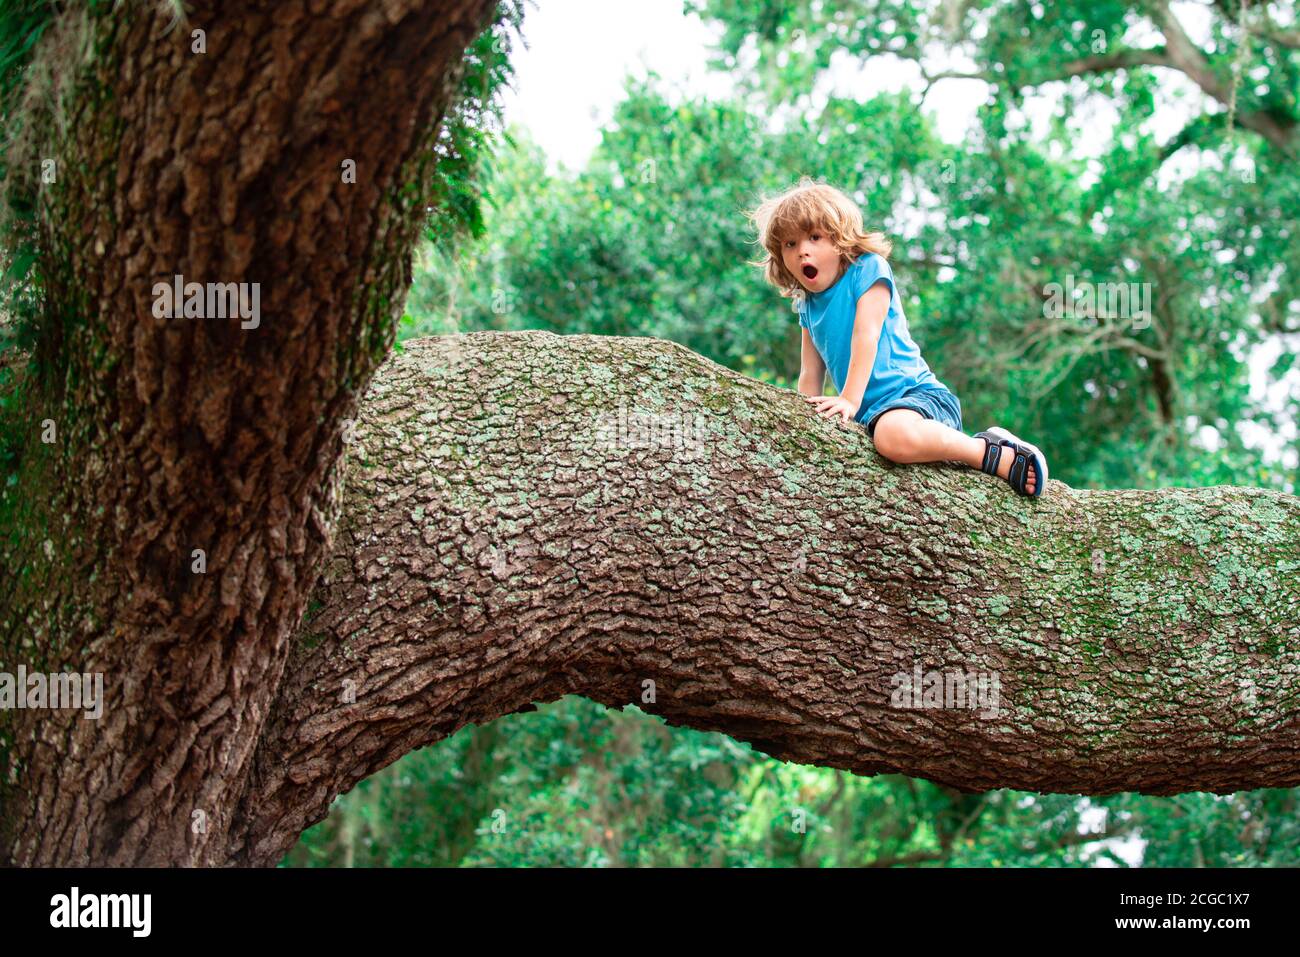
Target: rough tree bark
{"x":499,"y":548}
{"x":506,"y":541}
{"x":198,"y":433}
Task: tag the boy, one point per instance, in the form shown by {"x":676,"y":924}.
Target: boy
{"x":853,"y":322}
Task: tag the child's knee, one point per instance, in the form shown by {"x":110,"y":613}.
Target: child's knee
{"x":887,"y":444}
{"x":894,"y":437}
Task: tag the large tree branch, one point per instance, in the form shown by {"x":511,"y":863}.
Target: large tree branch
{"x":1259,"y":22}
{"x":505,"y":543}
{"x":1187,"y":57}
{"x":1101,"y":63}
{"x":1178,"y":52}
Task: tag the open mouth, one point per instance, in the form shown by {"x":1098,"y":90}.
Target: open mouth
{"x":810,"y":271}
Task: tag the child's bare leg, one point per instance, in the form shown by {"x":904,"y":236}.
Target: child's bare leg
{"x":906,"y":436}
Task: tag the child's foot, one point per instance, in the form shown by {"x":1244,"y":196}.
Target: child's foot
{"x":1021,"y":469}
{"x":1004,"y":469}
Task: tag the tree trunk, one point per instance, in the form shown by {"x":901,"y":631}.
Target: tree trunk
{"x":179,"y":435}
{"x":727,"y":560}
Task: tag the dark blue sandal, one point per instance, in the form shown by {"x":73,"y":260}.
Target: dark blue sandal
{"x":1026,"y":454}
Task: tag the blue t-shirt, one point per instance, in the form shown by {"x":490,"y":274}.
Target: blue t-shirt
{"x":828,"y":316}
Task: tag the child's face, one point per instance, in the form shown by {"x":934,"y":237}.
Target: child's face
{"x":813,"y":259}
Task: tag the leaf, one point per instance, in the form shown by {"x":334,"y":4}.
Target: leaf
{"x":21,"y":263}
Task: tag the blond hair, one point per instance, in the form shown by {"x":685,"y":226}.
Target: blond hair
{"x":809,"y":206}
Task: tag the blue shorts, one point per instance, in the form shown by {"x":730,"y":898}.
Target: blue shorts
{"x":939,"y":404}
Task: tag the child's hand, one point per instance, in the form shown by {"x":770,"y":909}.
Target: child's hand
{"x":828,"y":406}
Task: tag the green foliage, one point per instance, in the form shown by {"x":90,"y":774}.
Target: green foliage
{"x":467,"y":134}
{"x":576,"y":784}
{"x":21,"y":24}
{"x":572,"y":784}
{"x":651,"y":240}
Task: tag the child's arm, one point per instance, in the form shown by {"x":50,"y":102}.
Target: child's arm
{"x":867,"y":322}
{"x":812,"y":370}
